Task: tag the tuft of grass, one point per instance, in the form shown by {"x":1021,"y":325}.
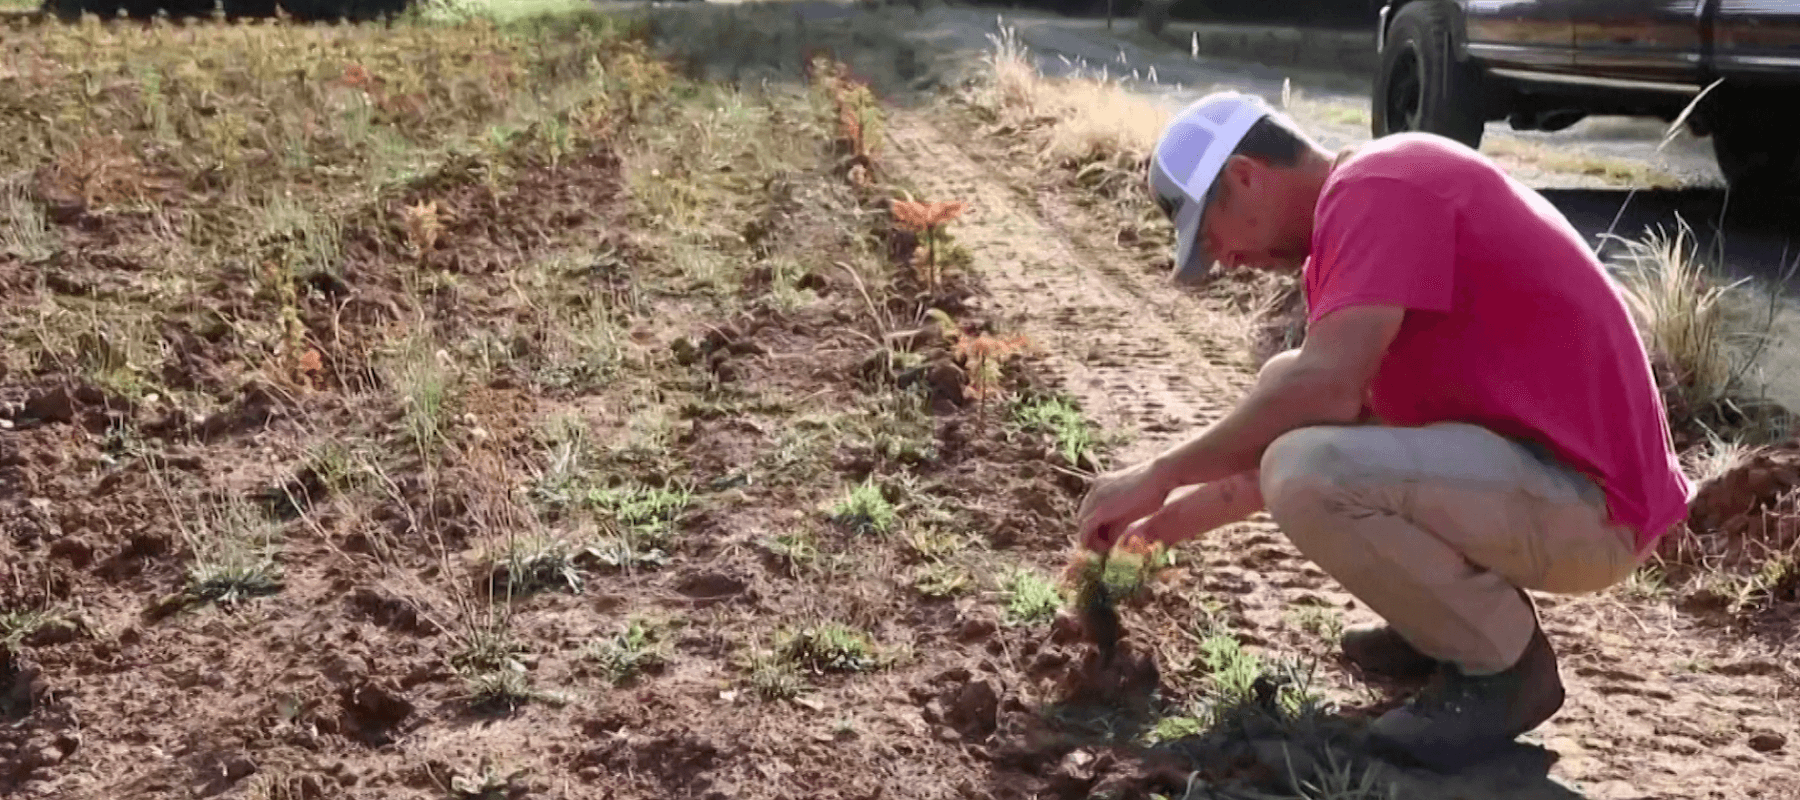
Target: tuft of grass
{"x":17,"y":626}
{"x":1097,"y":121}
{"x":1061,"y":417}
{"x":1701,"y":331}
{"x":1231,"y":671}
{"x":1612,"y":170}
{"x":492,"y":665}
{"x":797,"y":549}
{"x":234,"y":546}
{"x":641,"y":647}
{"x":534,"y":563}
{"x":830,"y":647}
{"x":1321,"y":621}
{"x":1031,"y":598}
{"x":559,"y":482}
{"x":865,"y":509}
{"x":651,"y":511}
{"x":419,"y":370}
{"x":645,"y":516}
{"x":774,"y":678}
{"x":25,"y":233}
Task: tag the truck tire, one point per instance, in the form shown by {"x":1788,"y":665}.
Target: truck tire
{"x":1422,"y":86}
{"x":1754,"y":143}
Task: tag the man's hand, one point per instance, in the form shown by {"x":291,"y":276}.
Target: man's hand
{"x":1118,"y":499}
{"x":1192,"y":511}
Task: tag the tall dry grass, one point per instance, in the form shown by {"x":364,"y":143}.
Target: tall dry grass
{"x":1093,"y":119}
{"x":1704,"y":333}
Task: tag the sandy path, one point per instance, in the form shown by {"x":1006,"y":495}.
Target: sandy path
{"x":1137,"y":357}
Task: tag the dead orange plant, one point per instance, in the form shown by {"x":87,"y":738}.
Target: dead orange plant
{"x":928,"y":220}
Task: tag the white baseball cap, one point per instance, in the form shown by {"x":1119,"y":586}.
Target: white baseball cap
{"x":1186,"y":163}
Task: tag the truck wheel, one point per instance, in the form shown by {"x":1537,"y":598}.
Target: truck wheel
{"x":1422,"y":86}
{"x":1757,"y":149}
{"x":1153,"y":15}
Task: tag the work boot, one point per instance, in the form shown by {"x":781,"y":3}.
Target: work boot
{"x":1381,"y":650}
{"x":1458,"y":719}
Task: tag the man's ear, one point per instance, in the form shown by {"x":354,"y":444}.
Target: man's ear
{"x":1240,"y":171}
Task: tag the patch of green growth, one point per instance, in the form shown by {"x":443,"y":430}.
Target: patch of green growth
{"x":1060,"y":417}
{"x":773,"y":678}
{"x":1171,"y":728}
{"x":1031,"y":598}
{"x":486,"y":782}
{"x":492,"y":666}
{"x":17,"y":626}
{"x":933,"y":543}
{"x":641,"y":647}
{"x":865,"y":509}
{"x":1321,"y":621}
{"x":338,"y":466}
{"x":645,"y":516}
{"x":802,"y":449}
{"x":568,"y":446}
{"x":830,"y":647}
{"x":426,"y":386}
{"x":1231,"y":671}
{"x":648,"y":511}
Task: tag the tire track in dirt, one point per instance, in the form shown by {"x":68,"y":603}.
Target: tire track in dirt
{"x":1135,"y":356}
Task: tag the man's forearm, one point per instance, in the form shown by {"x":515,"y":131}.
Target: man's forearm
{"x":1196,"y":510}
{"x":1234,"y":445}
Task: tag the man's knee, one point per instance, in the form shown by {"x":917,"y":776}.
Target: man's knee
{"x":1301,"y":467}
{"x":1276,"y":365}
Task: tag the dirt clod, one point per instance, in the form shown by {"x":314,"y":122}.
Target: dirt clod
{"x":975,"y":709}
{"x":54,"y":405}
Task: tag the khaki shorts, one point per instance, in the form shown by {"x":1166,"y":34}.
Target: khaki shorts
{"x":1435,"y":528}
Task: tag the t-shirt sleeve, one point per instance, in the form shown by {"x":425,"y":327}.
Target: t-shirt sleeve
{"x":1382,"y":241}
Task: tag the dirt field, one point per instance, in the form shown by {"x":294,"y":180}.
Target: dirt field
{"x":476,"y":411}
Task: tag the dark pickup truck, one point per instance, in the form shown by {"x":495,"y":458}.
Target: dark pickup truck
{"x":1451,"y":66}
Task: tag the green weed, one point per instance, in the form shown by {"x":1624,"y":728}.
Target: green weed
{"x":1060,"y":417}
{"x":639,"y":648}
{"x":825,"y":648}
{"x":864,"y":509}
{"x":1030,"y":597}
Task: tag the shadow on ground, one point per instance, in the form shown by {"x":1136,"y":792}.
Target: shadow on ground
{"x":1271,"y":741}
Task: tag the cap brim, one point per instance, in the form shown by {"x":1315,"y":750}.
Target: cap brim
{"x":1192,"y":262}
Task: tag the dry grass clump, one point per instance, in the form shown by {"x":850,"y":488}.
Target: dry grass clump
{"x":1082,"y":120}
{"x":1704,"y":335}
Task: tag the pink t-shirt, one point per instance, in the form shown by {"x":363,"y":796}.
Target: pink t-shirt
{"x":1512,"y":322}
